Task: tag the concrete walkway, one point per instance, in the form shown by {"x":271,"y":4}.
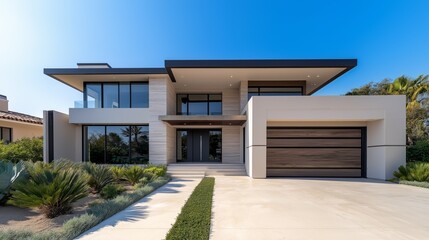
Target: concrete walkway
{"x":245,"y":208}
{"x":150,"y":218}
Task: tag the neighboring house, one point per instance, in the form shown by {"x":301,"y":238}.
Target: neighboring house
{"x":253,"y":112}
{"x":14,"y":125}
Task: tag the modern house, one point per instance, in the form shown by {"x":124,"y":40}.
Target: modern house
{"x":14,"y":125}
{"x":258,"y":114}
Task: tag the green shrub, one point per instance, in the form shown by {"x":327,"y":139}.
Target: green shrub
{"x":142,"y":182}
{"x":118,"y":173}
{"x":53,"y":190}
{"x":194,"y":220}
{"x":96,"y":214}
{"x":133,"y":174}
{"x":111,"y":191}
{"x":9,"y":173}
{"x":25,"y":149}
{"x":415,"y":171}
{"x":160,"y":171}
{"x":99,"y":176}
{"x":418,"y":152}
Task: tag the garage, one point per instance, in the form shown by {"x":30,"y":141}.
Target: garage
{"x":316,"y":152}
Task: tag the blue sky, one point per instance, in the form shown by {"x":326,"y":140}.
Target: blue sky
{"x":389,"y":38}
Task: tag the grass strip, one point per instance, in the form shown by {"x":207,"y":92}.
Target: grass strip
{"x":194,"y":220}
{"x":415,"y":183}
{"x":95,"y":214}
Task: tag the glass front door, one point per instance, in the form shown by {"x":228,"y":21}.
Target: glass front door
{"x":199,"y":145}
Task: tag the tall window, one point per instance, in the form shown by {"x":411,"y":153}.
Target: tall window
{"x":274,"y":91}
{"x":6,"y":135}
{"x":199,"y":104}
{"x":116,"y":95}
{"x":116,"y":144}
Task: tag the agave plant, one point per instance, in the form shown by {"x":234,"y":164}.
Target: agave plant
{"x":99,"y":176}
{"x":53,"y":191}
{"x":9,"y":173}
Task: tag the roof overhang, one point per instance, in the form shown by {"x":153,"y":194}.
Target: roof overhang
{"x":75,"y":77}
{"x":212,"y":74}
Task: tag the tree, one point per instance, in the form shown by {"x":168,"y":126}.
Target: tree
{"x":372,"y":88}
{"x":413,"y":89}
{"x":417,"y":104}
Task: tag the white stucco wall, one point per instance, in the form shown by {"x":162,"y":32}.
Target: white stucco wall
{"x":384,"y":117}
{"x":109,"y":115}
{"x":67,"y":138}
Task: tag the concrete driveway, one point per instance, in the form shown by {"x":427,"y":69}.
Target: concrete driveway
{"x":282,"y":208}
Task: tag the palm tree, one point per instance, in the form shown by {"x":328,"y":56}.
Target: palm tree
{"x":413,"y":89}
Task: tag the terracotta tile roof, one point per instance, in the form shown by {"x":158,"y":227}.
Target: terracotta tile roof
{"x":20,"y":117}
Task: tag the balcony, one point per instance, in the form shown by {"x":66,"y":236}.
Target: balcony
{"x":108,"y":115}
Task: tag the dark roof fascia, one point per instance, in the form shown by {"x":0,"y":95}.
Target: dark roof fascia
{"x":52,"y":72}
{"x":101,"y":71}
{"x":94,"y":64}
{"x":264,"y":63}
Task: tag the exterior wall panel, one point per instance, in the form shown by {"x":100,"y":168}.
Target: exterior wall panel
{"x":231,"y":146}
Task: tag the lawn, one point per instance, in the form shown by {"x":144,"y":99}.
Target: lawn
{"x":194,"y":220}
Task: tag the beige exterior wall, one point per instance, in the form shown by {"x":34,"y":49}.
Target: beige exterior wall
{"x":231,"y":102}
{"x":244,"y":89}
{"x":384,"y":117}
{"x":22,"y":130}
{"x":231,"y":144}
{"x":67,"y":138}
{"x":160,"y":134}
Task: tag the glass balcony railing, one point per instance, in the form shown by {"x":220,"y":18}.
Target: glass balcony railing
{"x":84,"y":104}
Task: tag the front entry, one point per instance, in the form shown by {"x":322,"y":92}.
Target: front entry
{"x":199,"y":145}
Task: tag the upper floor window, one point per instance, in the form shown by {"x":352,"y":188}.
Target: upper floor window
{"x":199,"y":104}
{"x":274,"y":91}
{"x":116,"y":95}
{"x":6,"y":135}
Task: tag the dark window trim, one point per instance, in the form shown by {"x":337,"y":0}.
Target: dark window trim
{"x":85,"y":95}
{"x":85,"y":137}
{"x":208,"y":102}
{"x":50,"y":136}
{"x":10,"y":134}
{"x":259,"y":89}
{"x":187,"y":135}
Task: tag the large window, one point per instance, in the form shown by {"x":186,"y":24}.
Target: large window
{"x":199,"y":104}
{"x":274,"y":91}
{"x":116,"y":95}
{"x":6,"y":135}
{"x":116,"y":144}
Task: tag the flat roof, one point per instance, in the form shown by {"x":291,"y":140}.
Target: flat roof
{"x":210,"y":70}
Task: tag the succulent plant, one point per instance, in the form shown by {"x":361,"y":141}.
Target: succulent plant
{"x":9,"y":173}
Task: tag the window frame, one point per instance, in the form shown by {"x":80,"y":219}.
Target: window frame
{"x":258,"y":93}
{"x":10,"y":134}
{"x":85,"y":139}
{"x":207,"y":102}
{"x":85,"y":94}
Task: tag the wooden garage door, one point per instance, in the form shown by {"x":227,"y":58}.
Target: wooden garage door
{"x":316,"y":152}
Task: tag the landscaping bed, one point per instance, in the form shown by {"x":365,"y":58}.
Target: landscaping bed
{"x":194,"y":220}
{"x":62,"y":200}
{"x":413,"y":174}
